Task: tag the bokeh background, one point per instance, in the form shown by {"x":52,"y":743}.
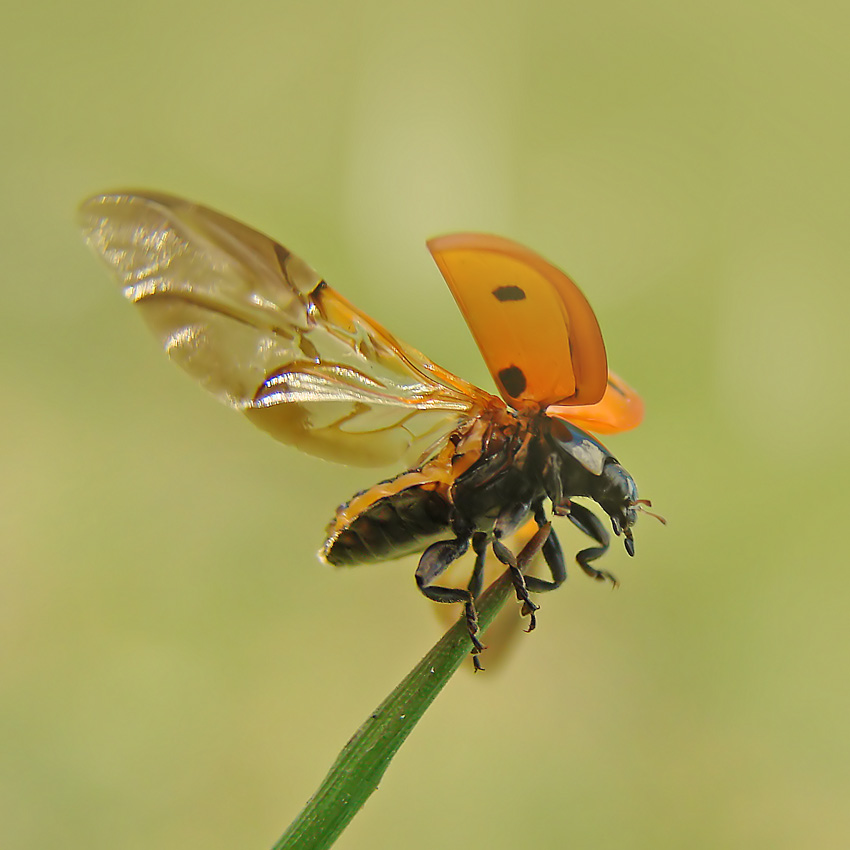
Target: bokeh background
{"x":178,"y":670}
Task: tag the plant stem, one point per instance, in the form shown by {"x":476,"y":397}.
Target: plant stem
{"x":359,"y":767}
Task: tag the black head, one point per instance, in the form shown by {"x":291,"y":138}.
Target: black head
{"x":617,"y":496}
{"x":587,"y":468}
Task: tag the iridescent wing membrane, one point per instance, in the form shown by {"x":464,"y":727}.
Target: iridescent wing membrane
{"x":262,"y":331}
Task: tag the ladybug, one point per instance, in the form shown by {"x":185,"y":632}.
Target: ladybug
{"x":261,"y":330}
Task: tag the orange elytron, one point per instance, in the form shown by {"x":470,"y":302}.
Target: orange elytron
{"x":262,"y":331}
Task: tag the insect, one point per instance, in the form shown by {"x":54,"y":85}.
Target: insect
{"x":261,"y":330}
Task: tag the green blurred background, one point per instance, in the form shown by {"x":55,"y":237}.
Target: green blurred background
{"x":178,"y":670}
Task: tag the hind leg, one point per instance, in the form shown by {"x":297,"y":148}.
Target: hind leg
{"x":433,"y":563}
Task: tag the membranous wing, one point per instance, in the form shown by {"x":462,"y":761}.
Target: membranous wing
{"x":619,"y":409}
{"x":261,"y":330}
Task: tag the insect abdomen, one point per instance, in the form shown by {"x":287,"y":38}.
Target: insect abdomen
{"x":389,"y":526}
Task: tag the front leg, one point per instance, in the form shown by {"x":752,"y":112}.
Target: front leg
{"x":561,"y":504}
{"x":591,"y":525}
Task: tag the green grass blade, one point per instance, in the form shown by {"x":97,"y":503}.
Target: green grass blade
{"x":359,"y":767}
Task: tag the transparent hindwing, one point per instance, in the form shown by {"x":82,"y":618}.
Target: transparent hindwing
{"x":261,"y":330}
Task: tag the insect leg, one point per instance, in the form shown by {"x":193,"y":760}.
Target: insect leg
{"x":554,"y":557}
{"x":433,"y":563}
{"x":476,"y":582}
{"x":509,"y":559}
{"x":554,"y":487}
{"x":592,"y":526}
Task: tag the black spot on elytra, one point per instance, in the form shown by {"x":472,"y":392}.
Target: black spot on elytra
{"x":513,"y":380}
{"x":509,"y":293}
